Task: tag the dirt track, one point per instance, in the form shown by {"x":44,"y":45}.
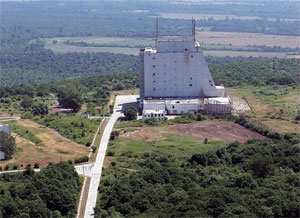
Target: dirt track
{"x":223,"y":130}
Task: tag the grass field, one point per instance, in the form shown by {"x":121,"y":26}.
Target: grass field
{"x":62,"y":48}
{"x":50,"y":148}
{"x":214,"y":41}
{"x":104,"y":40}
{"x":199,"y":16}
{"x":161,"y":140}
{"x":244,"y":39}
{"x":77,"y":128}
{"x":277,"y":111}
{"x":179,"y":140}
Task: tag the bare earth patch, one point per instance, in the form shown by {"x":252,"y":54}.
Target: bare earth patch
{"x":145,"y":133}
{"x":223,"y":130}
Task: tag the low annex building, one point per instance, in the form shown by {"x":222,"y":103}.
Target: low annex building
{"x":175,"y":79}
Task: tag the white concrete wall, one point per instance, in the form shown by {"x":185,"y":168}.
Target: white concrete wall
{"x":175,"y":46}
{"x":181,"y":74}
{"x":183,"y":108}
{"x":158,"y":116}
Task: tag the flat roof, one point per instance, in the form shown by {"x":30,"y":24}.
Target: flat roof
{"x":219,"y":100}
{"x":173,"y":101}
{"x":184,"y":101}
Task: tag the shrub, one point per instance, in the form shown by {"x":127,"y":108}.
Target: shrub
{"x":36,"y":166}
{"x":94,"y":148}
{"x":110,"y":153}
{"x":114,"y":135}
{"x":151,"y":121}
{"x":81,"y":159}
{"x":130,"y":113}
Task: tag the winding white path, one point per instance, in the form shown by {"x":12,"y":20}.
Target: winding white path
{"x":121,"y":101}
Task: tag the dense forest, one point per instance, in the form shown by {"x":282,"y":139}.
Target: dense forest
{"x":53,"y":192}
{"x":259,"y":179}
{"x":34,"y":64}
{"x":257,"y":73}
{"x":228,"y":71}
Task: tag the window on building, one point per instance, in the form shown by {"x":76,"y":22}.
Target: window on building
{"x":154,"y":89}
{"x":209,"y":81}
{"x":192,"y":56}
{"x":211,"y":84}
{"x":173,"y":107}
{"x":191,"y":84}
{"x":153,"y":58}
{"x":191,"y":78}
{"x":154,"y":81}
{"x":154,"y":66}
{"x":154,"y":74}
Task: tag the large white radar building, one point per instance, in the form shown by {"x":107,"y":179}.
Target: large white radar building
{"x":175,"y":79}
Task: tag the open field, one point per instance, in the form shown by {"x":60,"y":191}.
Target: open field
{"x":77,"y":128}
{"x":199,"y":16}
{"x":245,"y":39}
{"x":103,"y":40}
{"x":63,"y":48}
{"x":181,"y":140}
{"x":276,"y":111}
{"x":222,"y":130}
{"x":52,"y":147}
{"x":245,"y":54}
{"x":214,"y":41}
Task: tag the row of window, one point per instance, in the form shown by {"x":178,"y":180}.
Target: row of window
{"x":154,"y":115}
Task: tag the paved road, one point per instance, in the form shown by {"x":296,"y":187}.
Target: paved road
{"x":122,"y":101}
{"x":17,"y":171}
{"x":82,"y":169}
{"x":9,"y":118}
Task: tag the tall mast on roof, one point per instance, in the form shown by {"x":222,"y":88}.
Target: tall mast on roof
{"x":156,"y":31}
{"x":194,"y":29}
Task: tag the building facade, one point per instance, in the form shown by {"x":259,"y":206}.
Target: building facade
{"x":175,"y":74}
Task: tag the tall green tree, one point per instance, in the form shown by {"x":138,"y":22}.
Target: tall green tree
{"x":130,"y":113}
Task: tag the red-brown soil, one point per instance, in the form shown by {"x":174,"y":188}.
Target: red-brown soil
{"x":222,"y":130}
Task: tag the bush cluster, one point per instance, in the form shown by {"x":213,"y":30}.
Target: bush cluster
{"x":81,"y":159}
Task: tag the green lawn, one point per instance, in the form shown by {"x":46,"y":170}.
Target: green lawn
{"x":76,"y":128}
{"x":26,"y":133}
{"x":178,"y":145}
